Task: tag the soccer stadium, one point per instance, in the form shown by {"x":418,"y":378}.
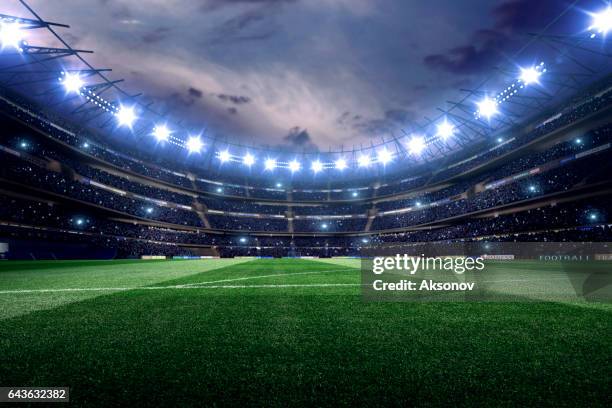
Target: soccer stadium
{"x":431,"y":225}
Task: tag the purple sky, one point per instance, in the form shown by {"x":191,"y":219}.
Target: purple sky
{"x":307,"y":74}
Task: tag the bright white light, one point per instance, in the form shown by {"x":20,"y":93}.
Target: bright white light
{"x":530,"y":76}
{"x":416,"y":145}
{"x":126,"y":116}
{"x":224,"y":156}
{"x":364,"y":240}
{"x":324,"y":226}
{"x":11,"y":34}
{"x":161,"y":133}
{"x":593,"y":216}
{"x":340,"y":164}
{"x":499,"y":140}
{"x":279,"y":185}
{"x":487,"y":107}
{"x":194,"y":144}
{"x":316,"y":166}
{"x":532,"y":188}
{"x":445,"y":130}
{"x":243,"y":240}
{"x":294,"y":166}
{"x":384,"y":156}
{"x":248,"y":159}
{"x":270,"y":164}
{"x":79,"y":221}
{"x":578,"y":141}
{"x":602,"y":21}
{"x":418,"y":204}
{"x":355,"y":194}
{"x":364,"y":161}
{"x":149,"y":210}
{"x":72,"y":83}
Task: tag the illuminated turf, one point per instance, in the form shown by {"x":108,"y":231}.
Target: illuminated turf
{"x":194,"y":332}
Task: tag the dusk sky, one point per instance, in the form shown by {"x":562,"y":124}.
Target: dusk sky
{"x":306,"y":74}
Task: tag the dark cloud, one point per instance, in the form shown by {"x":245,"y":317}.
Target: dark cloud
{"x":155,"y":36}
{"x":300,"y":138}
{"x":196,"y":93}
{"x":235,"y":99}
{"x":489,"y":45}
{"x":232,"y":111}
{"x":250,"y":25}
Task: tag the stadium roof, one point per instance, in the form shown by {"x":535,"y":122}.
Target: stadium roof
{"x":37,"y":61}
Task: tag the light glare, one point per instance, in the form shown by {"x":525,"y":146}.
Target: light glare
{"x":294,"y":166}
{"x":530,"y":76}
{"x":602,"y":21}
{"x":194,"y":144}
{"x":316,"y":166}
{"x":126,"y":116}
{"x":224,"y":156}
{"x":248,"y":160}
{"x":161,"y":133}
{"x":363,"y":161}
{"x":341,"y":164}
{"x":445,"y":130}
{"x":487,"y":107}
{"x":11,"y":34}
{"x":416,"y":145}
{"x":384,"y":156}
{"x":72,"y":83}
{"x":270,"y":164}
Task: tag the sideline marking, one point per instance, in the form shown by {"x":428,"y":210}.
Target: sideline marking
{"x":266,"y":276}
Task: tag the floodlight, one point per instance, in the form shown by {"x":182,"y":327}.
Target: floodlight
{"x":219,"y":190}
{"x":416,"y":145}
{"x":243,"y":240}
{"x":224,"y":156}
{"x":499,"y":140}
{"x":279,"y":185}
{"x":270,"y":164}
{"x":73,"y":83}
{"x":194,"y":144}
{"x":248,"y":159}
{"x":384,"y":156}
{"x":532,"y":188}
{"x":316,"y":166}
{"x":341,"y":164}
{"x":578,"y":141}
{"x":445,"y":130}
{"x":602,"y":21}
{"x":11,"y":34}
{"x":487,"y":107}
{"x":23,"y":145}
{"x":79,"y":221}
{"x":161,"y":133}
{"x":294,"y":166}
{"x":530,"y":76}
{"x":85,"y":145}
{"x":324,"y":226}
{"x":593,"y":216}
{"x":365,"y":240}
{"x":418,"y":204}
{"x":364,"y":161}
{"x":126,"y":116}
{"x":355,"y":194}
{"x":150,"y":210}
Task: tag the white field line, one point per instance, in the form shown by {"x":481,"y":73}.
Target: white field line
{"x":208,"y":286}
{"x":305,"y":285}
{"x":267,"y":276}
{"x":184,"y":286}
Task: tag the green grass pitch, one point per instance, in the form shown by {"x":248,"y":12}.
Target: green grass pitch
{"x":286,"y":333}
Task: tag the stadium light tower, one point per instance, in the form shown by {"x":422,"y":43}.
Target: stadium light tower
{"x":126,"y":116}
{"x":270,"y":164}
{"x":601,"y":22}
{"x":248,"y":160}
{"x":11,"y":34}
{"x":294,"y":165}
{"x":194,"y":144}
{"x":384,"y":156}
{"x":161,"y":133}
{"x":340,"y":164}
{"x":224,"y":156}
{"x":445,"y":130}
{"x":487,"y":107}
{"x":73,"y":83}
{"x":416,"y":145}
{"x":530,"y":75}
{"x":316,"y":166}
